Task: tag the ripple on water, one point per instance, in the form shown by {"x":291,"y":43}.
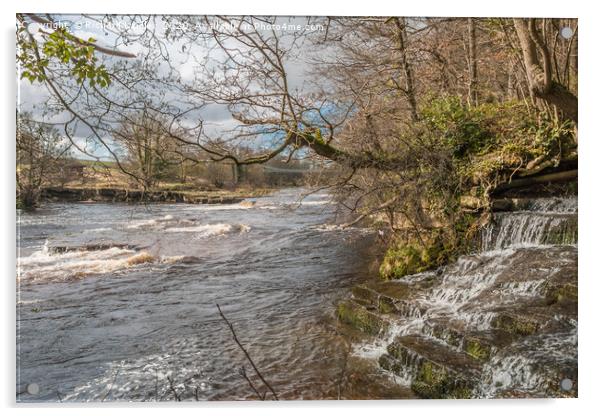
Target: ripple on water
{"x":148,"y":312}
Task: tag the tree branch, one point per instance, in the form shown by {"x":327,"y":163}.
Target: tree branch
{"x":248,"y":357}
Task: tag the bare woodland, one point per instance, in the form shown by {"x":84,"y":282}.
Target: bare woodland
{"x":406,"y":116}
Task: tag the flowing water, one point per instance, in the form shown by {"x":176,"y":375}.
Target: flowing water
{"x":503,"y":297}
{"x":118,"y":302}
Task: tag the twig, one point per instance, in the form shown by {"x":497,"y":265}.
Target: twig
{"x":173,"y":389}
{"x":263,"y":380}
{"x":343,"y":370}
{"x":156,"y":385}
{"x":243,"y":373}
{"x":378,"y":208}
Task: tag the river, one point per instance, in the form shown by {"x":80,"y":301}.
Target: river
{"x":118,"y":301}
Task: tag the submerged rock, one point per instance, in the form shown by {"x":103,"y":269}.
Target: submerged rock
{"x":140,"y":258}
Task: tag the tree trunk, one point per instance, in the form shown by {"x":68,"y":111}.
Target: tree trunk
{"x":472,"y":63}
{"x":238,"y":173}
{"x":409,"y":92}
{"x":573,"y":62}
{"x":539,"y":74}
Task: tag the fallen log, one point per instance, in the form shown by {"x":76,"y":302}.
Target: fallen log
{"x":539,"y":179}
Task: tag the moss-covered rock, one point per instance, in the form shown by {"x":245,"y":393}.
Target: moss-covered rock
{"x":400,"y":261}
{"x":434,"y":381}
{"x":360,"y":318}
{"x":566,"y":232}
{"x":515,"y":324}
{"x":437,"y":372}
{"x":386,"y":305}
{"x":564,"y":293}
{"x":435,"y":248}
{"x":476,"y":348}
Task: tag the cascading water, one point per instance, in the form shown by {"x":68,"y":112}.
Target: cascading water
{"x":548,"y":220}
{"x":498,"y":323}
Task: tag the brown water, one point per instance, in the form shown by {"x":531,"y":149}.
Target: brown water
{"x":115,"y":300}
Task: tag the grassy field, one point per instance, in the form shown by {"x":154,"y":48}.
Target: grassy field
{"x":89,"y":175}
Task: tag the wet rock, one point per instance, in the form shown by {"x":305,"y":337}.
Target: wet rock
{"x":515,"y":323}
{"x":563,"y":233}
{"x":437,"y":371}
{"x":92,"y":247}
{"x":365,"y":296}
{"x":562,"y":293}
{"x":512,"y":204}
{"x":502,"y":205}
{"x":360,"y":318}
{"x":386,"y":362}
{"x":384,"y":296}
{"x":445,"y":333}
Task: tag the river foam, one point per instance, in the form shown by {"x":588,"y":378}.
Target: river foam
{"x":76,"y":263}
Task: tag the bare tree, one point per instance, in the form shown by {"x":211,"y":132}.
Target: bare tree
{"x":41,"y":152}
{"x":538,"y":65}
{"x":149,"y":149}
{"x":352,"y":95}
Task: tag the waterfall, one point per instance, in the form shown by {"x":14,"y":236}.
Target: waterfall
{"x":548,"y":221}
{"x":500,"y":322}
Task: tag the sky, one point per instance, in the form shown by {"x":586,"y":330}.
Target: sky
{"x":35,"y":98}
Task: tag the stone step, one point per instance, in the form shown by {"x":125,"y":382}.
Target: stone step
{"x":564,"y":233}
{"x":561,"y":293}
{"x":436,"y":371}
{"x":480,"y":345}
{"x":534,"y":277}
{"x":390,"y":297}
{"x":359,"y":317}
{"x":536,"y":318}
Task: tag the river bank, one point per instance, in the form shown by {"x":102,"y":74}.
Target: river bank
{"x":111,"y":194}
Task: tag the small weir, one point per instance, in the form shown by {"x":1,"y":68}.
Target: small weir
{"x":501,"y":322}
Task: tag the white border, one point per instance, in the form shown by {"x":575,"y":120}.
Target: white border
{"x":589,"y":200}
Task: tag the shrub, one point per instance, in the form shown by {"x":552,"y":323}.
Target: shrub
{"x":459,"y":127}
{"x":464,"y":150}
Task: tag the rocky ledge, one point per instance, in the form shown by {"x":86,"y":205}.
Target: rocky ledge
{"x":125,"y":195}
{"x":497,"y":323}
